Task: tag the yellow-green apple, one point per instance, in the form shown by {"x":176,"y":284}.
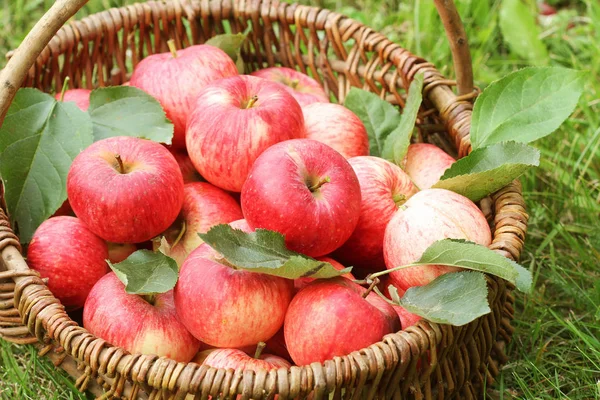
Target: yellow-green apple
{"x":305,"y":89}
{"x":118,"y":252}
{"x":301,"y":283}
{"x":137,"y":324}
{"x":176,"y":78}
{"x":81,"y":97}
{"x":71,"y":256}
{"x":202,"y":354}
{"x":337,"y":127}
{"x":227,"y":307}
{"x":383,"y":187}
{"x":204,"y":206}
{"x":188,"y":171}
{"x":330,"y":317}
{"x":233,"y":122}
{"x":237,"y":359}
{"x":429,"y":216}
{"x":125,"y":189}
{"x":426,"y":163}
{"x":306,"y":191}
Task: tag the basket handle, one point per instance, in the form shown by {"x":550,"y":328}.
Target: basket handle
{"x":461,"y":54}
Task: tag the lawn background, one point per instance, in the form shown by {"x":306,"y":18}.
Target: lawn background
{"x":555,"y":353}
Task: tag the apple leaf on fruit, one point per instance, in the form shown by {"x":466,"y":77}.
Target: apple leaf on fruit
{"x":469,"y":255}
{"x":521,"y":32}
{"x":232,"y":45}
{"x":145,"y":272}
{"x":525,"y":105}
{"x":456,"y":298}
{"x":489,"y":169}
{"x":379,"y":117}
{"x":39,"y":139}
{"x":397,"y":142}
{"x":128,"y":111}
{"x":264,"y":251}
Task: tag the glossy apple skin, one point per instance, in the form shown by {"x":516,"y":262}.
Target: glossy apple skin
{"x":301,"y":283}
{"x":176,"y":81}
{"x":305,"y":89}
{"x":277,"y":196}
{"x":204,"y":206}
{"x":426,"y":163}
{"x":383,"y":188}
{"x":330,"y":318}
{"x":337,"y":127}
{"x":129,"y":207}
{"x":81,"y":97}
{"x":188,"y":171}
{"x":237,"y":359}
{"x":130,"y":322}
{"x":71,"y":256}
{"x":118,"y":252}
{"x":429,"y":216}
{"x":224,"y":138}
{"x":225,"y":307}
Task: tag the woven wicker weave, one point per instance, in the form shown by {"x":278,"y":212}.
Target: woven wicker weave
{"x":425,"y":361}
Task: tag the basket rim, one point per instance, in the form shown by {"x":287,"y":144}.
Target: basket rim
{"x":46,"y":319}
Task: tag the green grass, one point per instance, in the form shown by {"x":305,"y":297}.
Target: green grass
{"x":555,"y":353}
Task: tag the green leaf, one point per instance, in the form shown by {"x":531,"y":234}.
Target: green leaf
{"x":396,"y":144}
{"x":521,"y":32}
{"x":145,"y":272}
{"x":489,"y":169}
{"x":39,"y":139}
{"x":264,"y":251}
{"x":463,"y":254}
{"x":525,"y":105}
{"x":379,"y":117}
{"x":232,"y":45}
{"x":455,"y":298}
{"x":128,"y":111}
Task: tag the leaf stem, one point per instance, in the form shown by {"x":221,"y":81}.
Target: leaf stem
{"x":259,"y":349}
{"x":371,"y":288}
{"x":320,"y":183}
{"x":180,"y":234}
{"x":120,"y":161}
{"x":64,"y":88}
{"x":172,"y":48}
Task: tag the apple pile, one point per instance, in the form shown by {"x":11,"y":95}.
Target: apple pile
{"x":261,"y":151}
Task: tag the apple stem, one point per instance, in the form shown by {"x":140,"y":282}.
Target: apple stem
{"x":259,"y":349}
{"x":64,"y":88}
{"x":120,"y":161}
{"x":399,"y":199}
{"x":371,"y":287}
{"x":171,"y":44}
{"x":150,"y":298}
{"x":294,"y":83}
{"x":180,"y":234}
{"x":251,"y":102}
{"x":320,"y":183}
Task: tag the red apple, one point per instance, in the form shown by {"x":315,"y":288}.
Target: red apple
{"x":118,"y":252}
{"x":426,"y":163}
{"x":73,"y":258}
{"x":306,"y":191}
{"x":175,"y":79}
{"x":126,"y":83}
{"x":305,"y":89}
{"x":135,"y":324}
{"x":383,"y":187}
{"x":406,"y":318}
{"x":331,"y":318}
{"x":237,"y":359}
{"x":227,"y":307}
{"x":202,"y":354}
{"x":337,"y":127}
{"x":204,"y":206}
{"x":188,"y":171}
{"x":233,"y":122}
{"x":125,"y":189}
{"x":81,"y":97}
{"x":301,"y":283}
{"x":242,"y":225}
{"x":427,"y":217}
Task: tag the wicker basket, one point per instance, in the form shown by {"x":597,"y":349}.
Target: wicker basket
{"x":424,"y":361}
